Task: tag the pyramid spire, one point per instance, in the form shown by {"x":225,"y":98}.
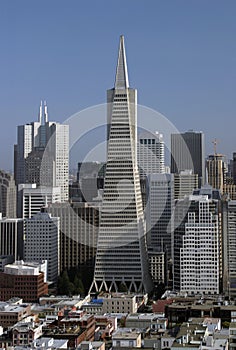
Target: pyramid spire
{"x":122,"y":80}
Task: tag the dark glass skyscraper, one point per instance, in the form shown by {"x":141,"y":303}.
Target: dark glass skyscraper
{"x":188,"y":152}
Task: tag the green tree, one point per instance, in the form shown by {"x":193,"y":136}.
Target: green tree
{"x":123,"y":288}
{"x":78,"y":285}
{"x":64,"y":284}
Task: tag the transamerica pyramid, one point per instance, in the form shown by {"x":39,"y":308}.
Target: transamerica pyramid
{"x":121,"y":251}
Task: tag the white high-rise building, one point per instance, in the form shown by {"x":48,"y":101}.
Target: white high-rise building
{"x":42,"y":242}
{"x":42,"y":154}
{"x":200,"y":254}
{"x":229,"y":247}
{"x":151,"y":155}
{"x":31,"y":198}
{"x":121,"y":251}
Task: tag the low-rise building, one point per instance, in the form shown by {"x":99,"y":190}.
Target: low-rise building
{"x":10,"y":314}
{"x":152,"y":321}
{"x":126,"y":337}
{"x":119,"y":303}
{"x":24,"y":333}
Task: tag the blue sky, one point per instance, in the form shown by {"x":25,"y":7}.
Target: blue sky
{"x":181,"y":57}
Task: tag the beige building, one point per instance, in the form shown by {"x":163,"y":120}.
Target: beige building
{"x":119,"y":303}
{"x":126,"y":338}
{"x":158,"y":266}
{"x":184,"y":183}
{"x":216,"y":167}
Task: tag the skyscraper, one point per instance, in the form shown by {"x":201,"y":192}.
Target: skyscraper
{"x":121,"y":251}
{"x":42,"y":242}
{"x":151,"y":156}
{"x":199,"y":273}
{"x":7,"y":195}
{"x":159,"y":214}
{"x":192,"y":226}
{"x":188,"y":153}
{"x":229,"y":244}
{"x":42,"y":153}
{"x":216,"y":167}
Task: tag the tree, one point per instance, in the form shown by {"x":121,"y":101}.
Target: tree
{"x":78,"y":285}
{"x":64,"y":284}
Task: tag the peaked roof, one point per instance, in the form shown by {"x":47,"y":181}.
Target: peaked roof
{"x":122,"y":80}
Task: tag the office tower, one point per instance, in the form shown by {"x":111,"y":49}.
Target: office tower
{"x":78,"y":234}
{"x":229,"y":247}
{"x":160,"y":208}
{"x":58,"y":145}
{"x":188,"y":205}
{"x":7,"y":195}
{"x":151,"y":157}
{"x":42,"y":242}
{"x":185,"y":182}
{"x":121,"y":251}
{"x":11,"y":237}
{"x":39,"y":167}
{"x":32,"y":198}
{"x":199,"y":256}
{"x":188,"y":153}
{"x":216,"y":167}
{"x":42,"y":153}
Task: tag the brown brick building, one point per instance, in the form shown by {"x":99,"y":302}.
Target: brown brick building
{"x":27,"y":287}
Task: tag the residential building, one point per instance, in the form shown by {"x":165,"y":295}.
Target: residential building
{"x":24,"y":333}
{"x":126,"y":338}
{"x":144,"y":321}
{"x":10,"y":314}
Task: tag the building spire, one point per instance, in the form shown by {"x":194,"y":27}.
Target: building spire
{"x":122,"y":80}
{"x":45,"y":112}
{"x":40,"y":112}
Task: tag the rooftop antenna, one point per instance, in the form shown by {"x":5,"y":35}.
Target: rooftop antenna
{"x":215,"y":142}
